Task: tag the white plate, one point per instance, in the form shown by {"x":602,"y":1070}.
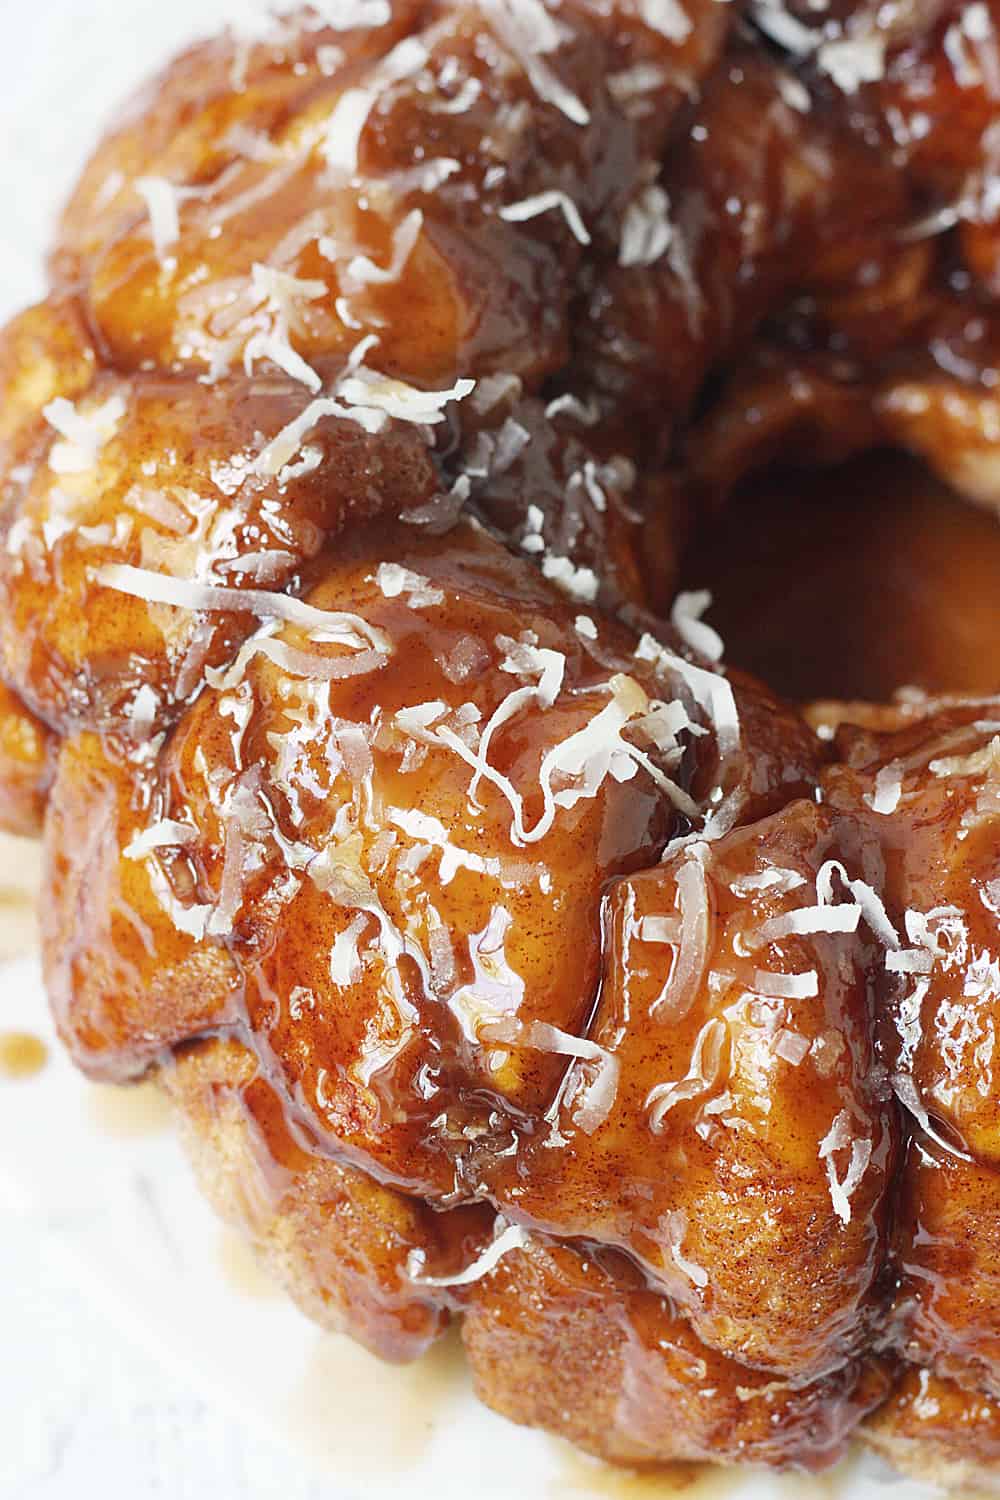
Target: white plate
{"x":101,"y":1171}
{"x":104,"y":1173}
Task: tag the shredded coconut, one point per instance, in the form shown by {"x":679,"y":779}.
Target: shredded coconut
{"x":686,"y":618}
{"x":513,"y":1237}
{"x":837,"y":1139}
{"x":706,"y":1061}
{"x":975,"y":764}
{"x":772,"y":879}
{"x":646,"y":228}
{"x":868,"y":900}
{"x":853,"y":61}
{"x":162,"y":203}
{"x":806,"y":921}
{"x":668,"y":17}
{"x":166,"y":834}
{"x":187,"y":593}
{"x":579,"y":583}
{"x":681,"y":989}
{"x":542,"y":203}
{"x":83,"y":434}
{"x":528,"y":29}
{"x":888,"y":789}
{"x":394,"y":580}
{"x":786,"y":986}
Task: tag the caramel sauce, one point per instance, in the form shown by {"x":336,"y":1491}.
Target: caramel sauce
{"x":142,"y":1109}
{"x":583,"y":1478}
{"x":242,"y":1270}
{"x":787,"y":219}
{"x":20,"y":877}
{"x":21,"y":1055}
{"x":580,"y":1478}
{"x":18,"y":926}
{"x":386,"y":1415}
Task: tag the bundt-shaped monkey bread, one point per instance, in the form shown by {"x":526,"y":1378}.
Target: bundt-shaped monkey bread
{"x":506,"y":957}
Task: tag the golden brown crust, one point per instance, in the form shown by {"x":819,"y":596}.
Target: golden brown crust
{"x":571,"y":1340}
{"x":502,"y":952}
{"x":939,"y":1433}
{"x":334,"y":1238}
{"x":27,"y":765}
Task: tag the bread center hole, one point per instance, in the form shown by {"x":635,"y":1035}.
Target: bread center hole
{"x":851,"y":583}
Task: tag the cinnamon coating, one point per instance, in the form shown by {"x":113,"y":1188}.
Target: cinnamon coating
{"x":506,"y":956}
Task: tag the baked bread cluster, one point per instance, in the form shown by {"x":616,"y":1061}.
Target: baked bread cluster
{"x":508,"y":958}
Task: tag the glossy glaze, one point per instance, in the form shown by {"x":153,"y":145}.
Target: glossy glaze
{"x":507,"y":958}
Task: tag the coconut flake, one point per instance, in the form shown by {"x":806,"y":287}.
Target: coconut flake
{"x":646,"y":228}
{"x":585,"y":412}
{"x":361,"y":271}
{"x":794,"y":93}
{"x":524,"y":660}
{"x":276,"y":347}
{"x":772,"y":879}
{"x":84,"y":434}
{"x":529,"y":31}
{"x":274,"y":459}
{"x":166,"y":834}
{"x":668,"y":17}
{"x":513,"y":1237}
{"x":888,"y":789}
{"x":350,"y":114}
{"x":599,"y":1097}
{"x":976,"y":764}
{"x":394,"y":580}
{"x":658,"y":930}
{"x":586,"y":758}
{"x":807,"y":921}
{"x":312,"y":665}
{"x":633,"y":83}
{"x":542,"y":203}
{"x":142,"y":712}
{"x":909,"y":961}
{"x":579,"y":583}
{"x":162,"y":200}
{"x":701,"y":1076}
{"x":853,"y":61}
{"x":192,"y":920}
{"x":188,"y":593}
{"x":675,"y":1227}
{"x":347,"y":15}
{"x":685,"y":617}
{"x":345,"y":960}
{"x":803,"y":986}
{"x":782,"y":27}
{"x":867,"y":898}
{"x":842,"y":1189}
{"x":791,"y":1047}
{"x":370,"y":391}
{"x":344,"y":128}
{"x":709,"y":690}
{"x":683,"y":984}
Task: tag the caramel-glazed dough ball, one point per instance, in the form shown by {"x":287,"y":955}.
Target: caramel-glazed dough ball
{"x":507,"y":958}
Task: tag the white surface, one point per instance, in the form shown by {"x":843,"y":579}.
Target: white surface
{"x":213,"y":1393}
{"x":108,"y":1205}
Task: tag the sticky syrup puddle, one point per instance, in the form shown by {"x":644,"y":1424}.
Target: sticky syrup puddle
{"x":22,"y":1056}
{"x":128,"y":1111}
{"x":361,"y":1416}
{"x":383,"y":1416}
{"x":242,"y":1271}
